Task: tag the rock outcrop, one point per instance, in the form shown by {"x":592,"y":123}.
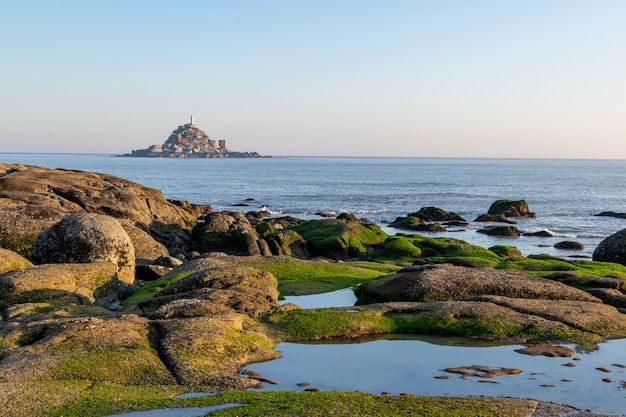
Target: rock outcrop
{"x":87,"y":238}
{"x":34,"y":198}
{"x":448,"y":282}
{"x":227,"y":231}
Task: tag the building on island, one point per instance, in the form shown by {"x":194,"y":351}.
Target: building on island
{"x":187,"y":141}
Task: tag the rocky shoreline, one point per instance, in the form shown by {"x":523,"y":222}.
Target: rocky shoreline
{"x":104,"y":280}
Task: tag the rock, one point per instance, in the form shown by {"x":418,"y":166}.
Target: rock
{"x":498,"y":218}
{"x":547,"y":349}
{"x":612,"y":214}
{"x":289,"y":243}
{"x":569,"y":245}
{"x":482,"y":371}
{"x":435,"y":214}
{"x":86,"y":238}
{"x":408,"y":223}
{"x":60,"y":283}
{"x":209,"y":351}
{"x":612,"y":249}
{"x":244,"y":289}
{"x":197,"y":210}
{"x":168,"y":261}
{"x":340,"y":239}
{"x":35,"y":198}
{"x":511,"y":208}
{"x":447,"y":282}
{"x":144,"y":245}
{"x":348,"y":217}
{"x":540,"y":233}
{"x":185,"y":308}
{"x":228,"y":232}
{"x":113,"y":350}
{"x":505,"y":231}
{"x":10,"y":261}
{"x":506,"y":252}
{"x":149,"y":271}
{"x":612,"y":297}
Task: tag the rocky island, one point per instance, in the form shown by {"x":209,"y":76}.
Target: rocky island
{"x":113,"y":298}
{"x":187,"y":141}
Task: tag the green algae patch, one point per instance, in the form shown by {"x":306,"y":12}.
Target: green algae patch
{"x":126,"y":366}
{"x":84,"y":399}
{"x":544,"y":265}
{"x":404,"y":247}
{"x":325,"y":323}
{"x":399,"y":248}
{"x":299,"y":277}
{"x":149,"y":290}
{"x":506,"y":251}
{"x":340,"y":239}
{"x":471,"y":320}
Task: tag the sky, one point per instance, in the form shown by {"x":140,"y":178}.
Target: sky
{"x":418,"y":78}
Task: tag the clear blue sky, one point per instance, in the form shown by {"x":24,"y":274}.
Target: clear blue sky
{"x":532,"y":78}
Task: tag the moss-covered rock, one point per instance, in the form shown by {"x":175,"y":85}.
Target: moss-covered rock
{"x":436,"y":250}
{"x":115,"y":350}
{"x":288,"y":243}
{"x":511,"y":208}
{"x":228,"y":232}
{"x":505,"y":251}
{"x":210,"y":351}
{"x":340,"y":239}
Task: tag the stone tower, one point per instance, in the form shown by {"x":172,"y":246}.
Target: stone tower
{"x":191,"y":124}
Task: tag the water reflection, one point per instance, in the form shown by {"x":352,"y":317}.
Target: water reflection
{"x":410,"y":365}
{"x":339,"y":298}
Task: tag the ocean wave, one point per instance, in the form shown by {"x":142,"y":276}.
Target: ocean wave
{"x":552,"y":232}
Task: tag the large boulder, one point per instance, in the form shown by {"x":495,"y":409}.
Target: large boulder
{"x":34,"y":198}
{"x":227,"y":231}
{"x":86,"y":238}
{"x":612,"y":249}
{"x":448,"y":282}
{"x":10,"y":261}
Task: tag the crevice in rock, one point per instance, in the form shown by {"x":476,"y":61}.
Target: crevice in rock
{"x":155,"y":337}
{"x":69,"y":196}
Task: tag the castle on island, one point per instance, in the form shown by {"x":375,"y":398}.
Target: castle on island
{"x":187,"y":141}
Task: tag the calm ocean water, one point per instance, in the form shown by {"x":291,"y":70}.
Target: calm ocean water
{"x":565,"y":194}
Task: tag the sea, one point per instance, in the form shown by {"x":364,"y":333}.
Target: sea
{"x":565,"y":194}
